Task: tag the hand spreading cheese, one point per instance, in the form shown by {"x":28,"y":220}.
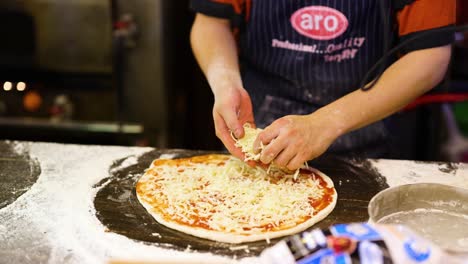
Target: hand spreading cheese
{"x":246,"y":145}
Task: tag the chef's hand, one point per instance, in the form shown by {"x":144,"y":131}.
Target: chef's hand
{"x":215,"y":48}
{"x":292,"y":140}
{"x":232,"y":108}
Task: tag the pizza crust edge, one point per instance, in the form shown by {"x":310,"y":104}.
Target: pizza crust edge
{"x":236,"y":239}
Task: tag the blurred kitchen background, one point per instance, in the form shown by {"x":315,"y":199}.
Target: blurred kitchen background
{"x":119,"y":72}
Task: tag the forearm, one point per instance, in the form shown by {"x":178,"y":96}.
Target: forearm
{"x":215,"y":49}
{"x":405,"y":80}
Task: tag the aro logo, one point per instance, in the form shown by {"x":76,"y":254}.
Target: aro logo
{"x":319,"y":22}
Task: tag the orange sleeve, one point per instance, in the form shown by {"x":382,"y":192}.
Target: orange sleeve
{"x":222,"y":8}
{"x":425,"y":15}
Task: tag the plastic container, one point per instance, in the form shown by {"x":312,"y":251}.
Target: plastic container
{"x":358,"y":243}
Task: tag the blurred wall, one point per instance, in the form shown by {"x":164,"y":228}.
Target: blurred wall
{"x":77,"y":31}
{"x":190,"y":97}
{"x":145,"y":89}
{"x":75,"y":36}
{"x":163,"y":87}
{"x":71,"y":35}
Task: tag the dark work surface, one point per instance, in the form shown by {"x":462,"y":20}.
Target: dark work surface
{"x":18,"y":172}
{"x":119,"y":210}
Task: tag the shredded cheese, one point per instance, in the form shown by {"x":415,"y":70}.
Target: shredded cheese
{"x":246,"y":144}
{"x":231,"y":196}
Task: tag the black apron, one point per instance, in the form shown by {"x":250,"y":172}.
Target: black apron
{"x":297,"y":56}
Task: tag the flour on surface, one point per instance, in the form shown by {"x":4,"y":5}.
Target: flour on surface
{"x":55,"y":222}
{"x":399,"y":172}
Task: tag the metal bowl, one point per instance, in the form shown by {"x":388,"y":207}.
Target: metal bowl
{"x":437,"y":212}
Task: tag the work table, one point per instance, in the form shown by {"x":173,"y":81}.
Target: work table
{"x":62,"y":203}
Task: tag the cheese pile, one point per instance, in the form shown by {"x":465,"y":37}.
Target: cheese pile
{"x":234,"y":197}
{"x":246,"y":145}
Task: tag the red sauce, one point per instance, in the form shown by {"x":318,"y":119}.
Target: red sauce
{"x":324,"y":201}
{"x":219,"y":160}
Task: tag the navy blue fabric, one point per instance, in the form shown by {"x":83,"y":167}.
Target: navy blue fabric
{"x":283,"y":81}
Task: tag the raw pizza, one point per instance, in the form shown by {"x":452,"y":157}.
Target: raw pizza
{"x":219,"y":197}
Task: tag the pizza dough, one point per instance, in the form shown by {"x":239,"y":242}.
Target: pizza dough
{"x":219,"y":197}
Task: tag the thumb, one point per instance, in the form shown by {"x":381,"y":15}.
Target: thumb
{"x":233,"y":123}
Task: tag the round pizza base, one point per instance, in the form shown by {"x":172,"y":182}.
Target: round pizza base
{"x":236,"y":238}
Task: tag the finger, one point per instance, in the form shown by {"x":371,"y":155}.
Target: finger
{"x":296,"y":162}
{"x":231,"y":120}
{"x":266,"y":136}
{"x":245,"y":113}
{"x":300,"y":159}
{"x":255,"y":164}
{"x":224,"y":134}
{"x":273,"y":149}
{"x":285,"y":157}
